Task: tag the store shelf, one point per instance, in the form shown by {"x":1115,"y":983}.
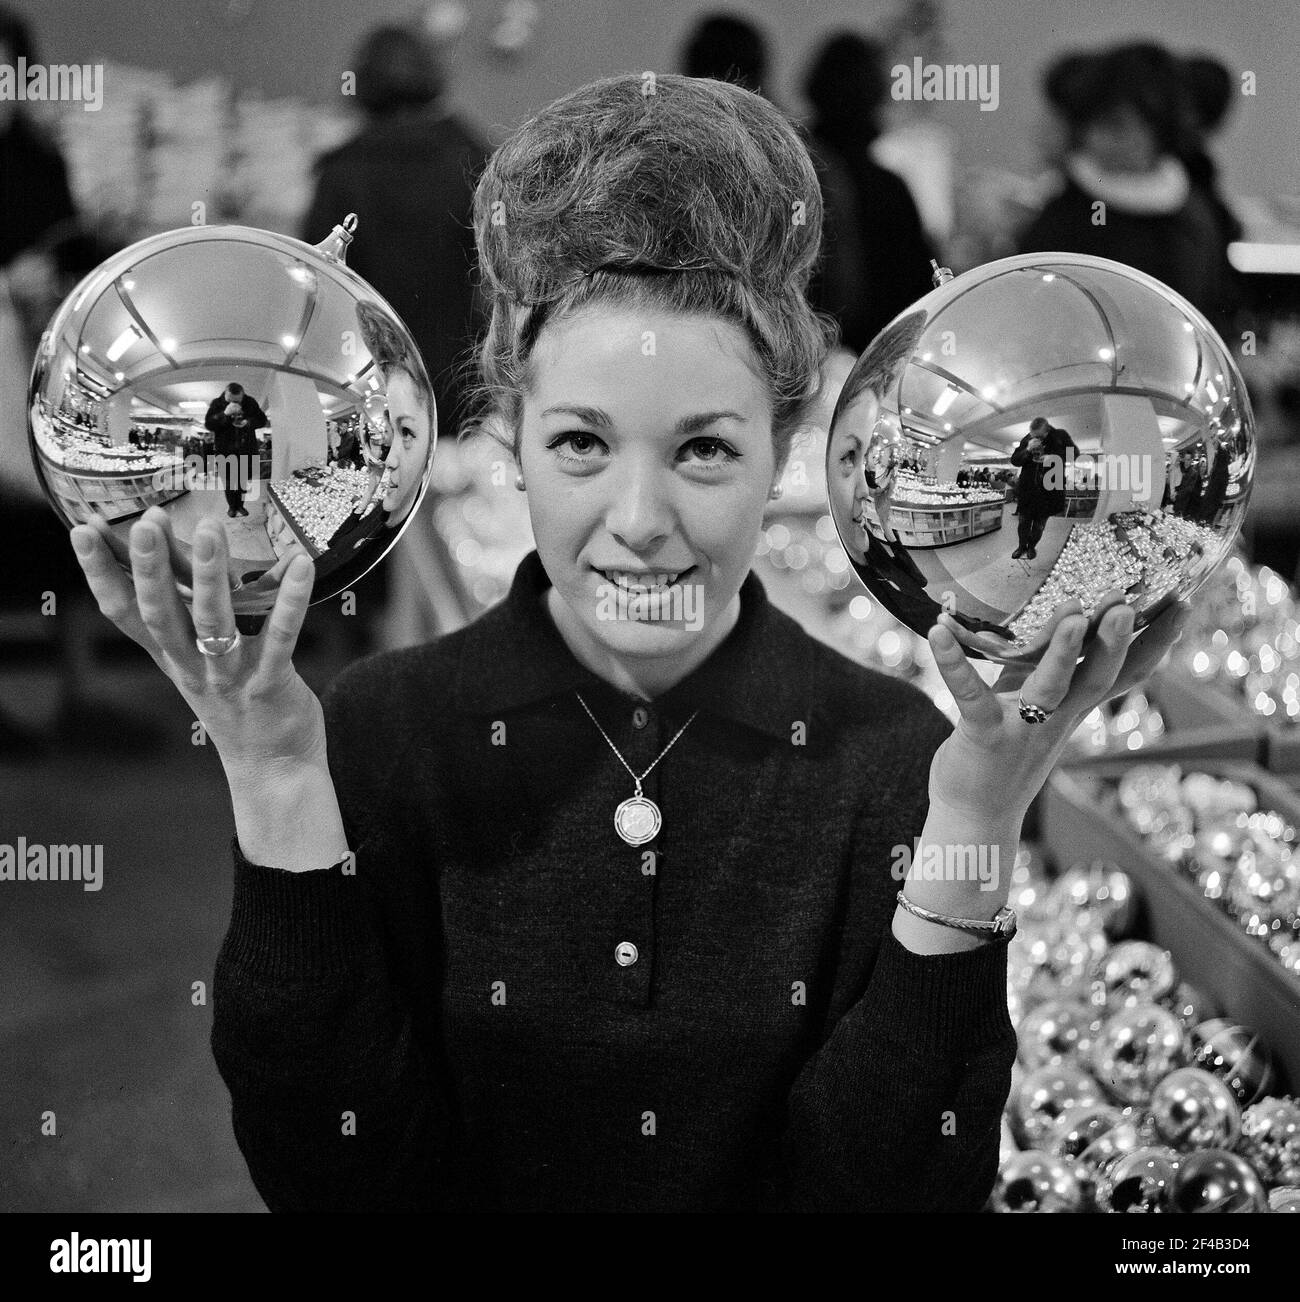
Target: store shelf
{"x":1080,"y":822}
{"x":1191,"y":732}
{"x":1190,"y":704}
{"x":939,"y":526}
{"x":85,"y":494}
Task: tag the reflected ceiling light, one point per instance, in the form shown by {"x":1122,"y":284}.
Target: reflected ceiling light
{"x":1212,"y":391}
{"x":124,"y":341}
{"x":1105,"y":354}
{"x":288,"y":340}
{"x":1048,"y":278}
{"x":945,"y":400}
{"x":168,"y":345}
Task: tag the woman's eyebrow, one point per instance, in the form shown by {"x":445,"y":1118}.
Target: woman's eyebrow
{"x":687,"y":424}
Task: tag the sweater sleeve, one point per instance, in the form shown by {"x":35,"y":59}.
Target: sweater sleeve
{"x":899,"y":1108}
{"x":336,"y":1102}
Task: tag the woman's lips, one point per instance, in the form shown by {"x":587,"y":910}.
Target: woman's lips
{"x":649,"y":582}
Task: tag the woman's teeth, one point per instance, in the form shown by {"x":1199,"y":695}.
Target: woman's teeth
{"x":644,"y":582}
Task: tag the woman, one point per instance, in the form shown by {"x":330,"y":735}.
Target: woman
{"x":569,"y":912}
{"x":400,"y":465}
{"x":1126,"y":193}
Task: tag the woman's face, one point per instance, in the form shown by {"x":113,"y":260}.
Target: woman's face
{"x":408,"y":454}
{"x":847,"y":485}
{"x":646,"y":449}
{"x":1121,"y":141}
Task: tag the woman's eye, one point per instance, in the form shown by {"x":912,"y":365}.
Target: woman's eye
{"x":713,"y":451}
{"x":578,"y":441}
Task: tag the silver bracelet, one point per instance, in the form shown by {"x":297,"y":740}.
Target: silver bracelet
{"x":1001,"y":927}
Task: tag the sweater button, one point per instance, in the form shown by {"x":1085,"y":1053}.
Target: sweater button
{"x":625,"y":953}
{"x":640,"y":717}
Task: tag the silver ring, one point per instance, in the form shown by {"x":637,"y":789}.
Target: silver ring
{"x":218,"y":646}
{"x":1033,"y":713}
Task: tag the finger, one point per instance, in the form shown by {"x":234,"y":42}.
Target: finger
{"x":109,"y":585}
{"x":1042,"y":639}
{"x":214,"y":614}
{"x":155,"y":592}
{"x":1146,"y":653}
{"x":977,"y":704}
{"x":1096,"y":676}
{"x":280,"y":636}
{"x":1049,"y":683}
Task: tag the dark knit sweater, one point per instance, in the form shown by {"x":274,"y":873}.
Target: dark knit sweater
{"x":457,"y":1005}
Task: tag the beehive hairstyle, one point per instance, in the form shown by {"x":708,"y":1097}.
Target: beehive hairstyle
{"x":389,"y":350}
{"x":652,"y":192}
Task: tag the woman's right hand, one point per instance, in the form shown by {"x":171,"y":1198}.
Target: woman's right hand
{"x":252,"y":702}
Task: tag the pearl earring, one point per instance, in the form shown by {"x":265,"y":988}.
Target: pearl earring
{"x":776,"y":492}
{"x":519,"y":482}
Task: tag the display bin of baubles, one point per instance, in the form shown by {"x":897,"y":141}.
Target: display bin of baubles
{"x":1211,"y":848}
{"x":1277,"y":744}
{"x":1154,"y":723}
{"x":1238,"y":663}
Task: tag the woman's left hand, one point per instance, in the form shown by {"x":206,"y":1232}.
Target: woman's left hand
{"x":994,"y":763}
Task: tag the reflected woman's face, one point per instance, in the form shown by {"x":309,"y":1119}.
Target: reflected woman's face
{"x":847,"y":486}
{"x":408,"y":453}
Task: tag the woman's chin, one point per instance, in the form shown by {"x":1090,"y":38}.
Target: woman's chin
{"x":641,"y":637}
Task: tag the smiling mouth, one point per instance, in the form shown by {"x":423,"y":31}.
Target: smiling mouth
{"x":638,"y":583}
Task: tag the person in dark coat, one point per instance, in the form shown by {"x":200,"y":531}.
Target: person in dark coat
{"x":847,"y":86}
{"x":1126,"y":194}
{"x":409,"y":176}
{"x":45,"y":248}
{"x":1216,"y":487}
{"x":1040,"y":490}
{"x":1187,"y":495}
{"x":234,"y":419}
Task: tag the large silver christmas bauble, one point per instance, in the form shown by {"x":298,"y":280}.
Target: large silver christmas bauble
{"x":327,"y":450}
{"x":1044,"y":428}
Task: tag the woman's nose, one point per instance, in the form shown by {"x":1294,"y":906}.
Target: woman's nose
{"x":640,"y":512}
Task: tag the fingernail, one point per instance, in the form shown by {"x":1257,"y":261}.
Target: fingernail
{"x":82,"y":544}
{"x":205,"y":546}
{"x":143,"y":540}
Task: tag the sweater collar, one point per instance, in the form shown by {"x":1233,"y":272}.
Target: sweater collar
{"x":1158,"y":193}
{"x":513,"y":655}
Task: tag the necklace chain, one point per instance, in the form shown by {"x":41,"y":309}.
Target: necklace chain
{"x":619,"y":753}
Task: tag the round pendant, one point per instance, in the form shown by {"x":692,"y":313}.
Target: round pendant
{"x":637,"y":820}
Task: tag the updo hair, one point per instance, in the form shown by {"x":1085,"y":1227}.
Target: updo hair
{"x":389,"y":350}
{"x":652,"y":191}
{"x":878,"y":367}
